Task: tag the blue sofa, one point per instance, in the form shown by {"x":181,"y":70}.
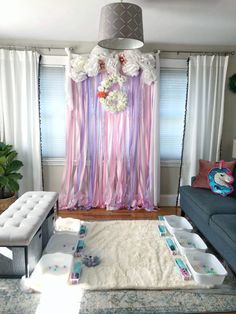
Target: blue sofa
{"x":215,"y":217}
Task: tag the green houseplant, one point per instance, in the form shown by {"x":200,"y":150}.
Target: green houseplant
{"x":9,"y":175}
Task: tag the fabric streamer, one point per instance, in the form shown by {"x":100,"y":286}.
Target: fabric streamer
{"x":108,"y":154}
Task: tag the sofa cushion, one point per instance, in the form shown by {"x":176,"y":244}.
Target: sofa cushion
{"x":207,"y":202}
{"x":225,"y":227}
{"x":201,"y":180}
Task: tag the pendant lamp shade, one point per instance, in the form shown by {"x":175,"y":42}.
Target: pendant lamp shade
{"x":121,"y":26}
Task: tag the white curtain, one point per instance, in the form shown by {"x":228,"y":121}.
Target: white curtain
{"x":19,"y":112}
{"x":155,"y":141}
{"x":205,"y":112}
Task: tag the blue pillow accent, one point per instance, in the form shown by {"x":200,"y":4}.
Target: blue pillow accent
{"x":220,"y":181}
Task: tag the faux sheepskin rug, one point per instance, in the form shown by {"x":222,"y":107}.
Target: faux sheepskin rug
{"x":133,"y":256}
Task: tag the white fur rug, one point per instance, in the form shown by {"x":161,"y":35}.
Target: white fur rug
{"x":133,"y":256}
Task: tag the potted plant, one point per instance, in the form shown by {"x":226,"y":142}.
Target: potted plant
{"x":9,"y":175}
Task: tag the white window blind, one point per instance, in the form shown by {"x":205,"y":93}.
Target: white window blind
{"x":172,"y":105}
{"x":52,"y":111}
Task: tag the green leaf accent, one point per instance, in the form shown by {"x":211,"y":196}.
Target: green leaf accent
{"x":11,"y":156}
{"x":3,"y":181}
{"x":9,"y":167}
{"x":2,"y":171}
{"x":14,"y":166}
{"x":3,"y":160}
{"x":15,"y":176}
{"x":13,"y":185}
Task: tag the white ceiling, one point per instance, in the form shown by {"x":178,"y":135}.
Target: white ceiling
{"x":186,"y":22}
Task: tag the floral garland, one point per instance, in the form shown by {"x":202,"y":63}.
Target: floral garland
{"x":113,"y":101}
{"x":129,"y":63}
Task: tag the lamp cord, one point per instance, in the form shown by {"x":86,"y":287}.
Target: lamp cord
{"x":183,"y":138}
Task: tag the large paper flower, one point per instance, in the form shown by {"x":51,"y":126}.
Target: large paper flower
{"x":92,"y":66}
{"x":147,"y":64}
{"x":113,"y":64}
{"x":77,"y":71}
{"x":131,"y":65}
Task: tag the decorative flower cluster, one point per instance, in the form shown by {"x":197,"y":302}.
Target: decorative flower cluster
{"x":115,"y":100}
{"x":128,"y":62}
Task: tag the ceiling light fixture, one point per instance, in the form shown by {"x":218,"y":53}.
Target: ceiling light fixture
{"x":121,"y":26}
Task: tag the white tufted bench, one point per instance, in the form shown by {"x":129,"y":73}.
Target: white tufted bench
{"x":21,"y":221}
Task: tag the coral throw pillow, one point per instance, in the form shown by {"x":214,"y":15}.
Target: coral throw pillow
{"x":205,"y":166}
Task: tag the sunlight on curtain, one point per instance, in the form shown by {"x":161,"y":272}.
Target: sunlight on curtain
{"x":205,"y":112}
{"x":19,"y":112}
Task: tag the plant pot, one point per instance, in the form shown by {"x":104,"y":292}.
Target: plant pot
{"x":6,"y":202}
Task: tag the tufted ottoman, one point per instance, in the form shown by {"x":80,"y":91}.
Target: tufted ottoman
{"x":21,"y":231}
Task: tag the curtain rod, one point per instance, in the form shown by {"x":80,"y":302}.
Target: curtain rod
{"x":200,"y":52}
{"x":31,"y":47}
{"x":154,"y":51}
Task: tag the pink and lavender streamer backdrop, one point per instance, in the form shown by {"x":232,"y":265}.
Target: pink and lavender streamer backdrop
{"x":108,"y":154}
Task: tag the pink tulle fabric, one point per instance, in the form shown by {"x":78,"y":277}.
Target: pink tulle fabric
{"x":108,"y":154}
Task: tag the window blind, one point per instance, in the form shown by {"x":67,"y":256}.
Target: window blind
{"x":172,"y":105}
{"x":52,"y":110}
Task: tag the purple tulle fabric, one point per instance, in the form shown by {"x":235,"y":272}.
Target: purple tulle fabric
{"x":108,"y":154}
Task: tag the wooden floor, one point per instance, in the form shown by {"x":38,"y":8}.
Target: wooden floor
{"x":121,"y":214}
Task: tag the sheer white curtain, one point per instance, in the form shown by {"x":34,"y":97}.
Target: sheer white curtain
{"x":205,"y":112}
{"x":19,"y":112}
{"x":155,"y":140}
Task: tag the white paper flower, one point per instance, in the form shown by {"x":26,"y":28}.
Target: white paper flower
{"x":131,"y":66}
{"x":147,"y":60}
{"x":112,"y":64}
{"x":77,"y":71}
{"x":99,"y":52}
{"x":78,"y":76}
{"x":147,"y":64}
{"x":149,"y":75}
{"x":92,"y":66}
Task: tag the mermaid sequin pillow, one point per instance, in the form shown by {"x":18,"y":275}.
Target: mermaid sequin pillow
{"x":220,"y":180}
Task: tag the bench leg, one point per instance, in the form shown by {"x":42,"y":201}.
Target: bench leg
{"x":26,"y":262}
{"x":56,"y":212}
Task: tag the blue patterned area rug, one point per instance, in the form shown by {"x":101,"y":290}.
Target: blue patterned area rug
{"x":14,"y":301}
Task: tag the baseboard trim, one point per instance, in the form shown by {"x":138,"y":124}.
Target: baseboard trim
{"x":168,"y":200}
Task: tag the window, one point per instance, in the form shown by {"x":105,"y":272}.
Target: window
{"x":172,"y":105}
{"x":52,"y":103}
{"x":52,"y":110}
